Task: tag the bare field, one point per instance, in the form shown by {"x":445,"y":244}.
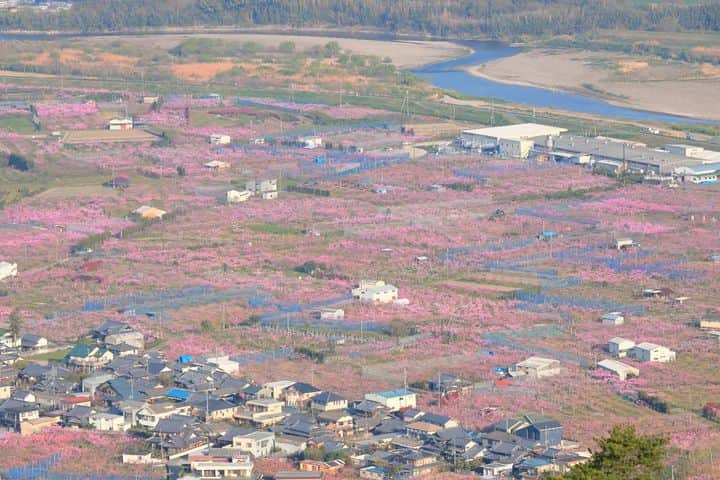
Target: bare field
{"x":404,"y":54}
{"x":669,"y":87}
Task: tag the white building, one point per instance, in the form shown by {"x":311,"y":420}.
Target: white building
{"x":651,"y":352}
{"x":107,"y":422}
{"x":218,"y":139}
{"x":234,"y":196}
{"x":216,"y":165}
{"x":375,"y":291}
{"x":396,"y":399}
{"x":310,"y":142}
{"x":612,"y":318}
{"x":535,"y":367}
{"x":223,"y":363}
{"x":624,"y":243}
{"x":259,"y":444}
{"x":619,"y":347}
{"x":698,"y":174}
{"x":514,"y":141}
{"x":622,"y":370}
{"x":212,"y":468}
{"x":8,"y":270}
{"x":330,"y":314}
{"x":120,"y":124}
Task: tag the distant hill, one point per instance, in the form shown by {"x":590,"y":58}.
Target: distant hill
{"x":447,"y":18}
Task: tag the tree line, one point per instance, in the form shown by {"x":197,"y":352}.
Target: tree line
{"x":449,"y":18}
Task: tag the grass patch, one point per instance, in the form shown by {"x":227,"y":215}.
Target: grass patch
{"x":55,"y":356}
{"x":274,"y":229}
{"x":17,"y":124}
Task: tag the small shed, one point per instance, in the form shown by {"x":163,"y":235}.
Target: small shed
{"x":8,"y":270}
{"x":622,"y":370}
{"x":613,"y":318}
{"x":619,"y":347}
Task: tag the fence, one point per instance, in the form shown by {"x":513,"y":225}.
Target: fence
{"x":263,"y":357}
{"x":508,"y":340}
{"x":555,"y":216}
{"x":578,"y":302}
{"x":473,"y":174}
{"x":112,"y":302}
{"x":368,"y":163}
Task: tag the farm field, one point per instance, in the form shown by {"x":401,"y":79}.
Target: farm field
{"x":495,"y":259}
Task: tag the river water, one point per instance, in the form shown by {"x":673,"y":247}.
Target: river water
{"x":448,"y":75}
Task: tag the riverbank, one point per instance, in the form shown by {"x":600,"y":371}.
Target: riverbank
{"x":404,"y":54}
{"x":406,"y":51}
{"x":668,"y":87}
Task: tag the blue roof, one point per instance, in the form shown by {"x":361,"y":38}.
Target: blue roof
{"x":536,"y":462}
{"x":184,"y":359}
{"x":178,"y":394}
{"x":398,"y":392}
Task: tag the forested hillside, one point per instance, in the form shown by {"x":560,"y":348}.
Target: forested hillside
{"x":498,"y":18}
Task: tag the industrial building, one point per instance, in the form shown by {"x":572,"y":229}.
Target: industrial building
{"x":694,"y":163}
{"x":514,"y":141}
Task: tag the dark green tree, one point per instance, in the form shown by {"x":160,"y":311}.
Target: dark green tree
{"x":15,"y":324}
{"x":623,"y":455}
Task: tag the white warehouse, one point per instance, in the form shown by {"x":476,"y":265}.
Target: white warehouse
{"x":514,"y":141}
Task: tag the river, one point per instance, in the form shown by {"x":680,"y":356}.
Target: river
{"x":449,"y":75}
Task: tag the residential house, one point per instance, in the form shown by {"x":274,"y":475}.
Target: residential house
{"x":651,"y":352}
{"x":327,"y":401}
{"x":416,"y":463}
{"x":6,"y":389}
{"x":535,"y":367}
{"x":339,"y":421}
{"x":88,"y":357}
{"x":299,"y":394}
{"x":375,"y":291}
{"x":108,"y":422}
{"x":422,"y":430}
{"x":215,"y":410}
{"x":545,"y":431}
{"x":619,"y":347}
{"x":262,"y":412}
{"x":257,"y":443}
{"x":78,"y":416}
{"x":533,"y":427}
{"x":275,"y":390}
{"x":397,"y":399}
{"x":218,"y":467}
{"x":326,"y":468}
{"x":14,"y":412}
{"x":374,"y":473}
{"x":151,"y":414}
{"x":447,"y":383}
{"x":222,"y":363}
{"x":622,"y":370}
{"x":7,"y":339}
{"x":33,"y":342}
